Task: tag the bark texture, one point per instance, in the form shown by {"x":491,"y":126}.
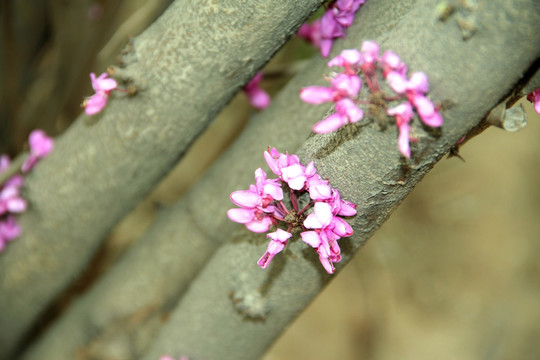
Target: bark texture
{"x":103,"y":166}
{"x":235,"y":310}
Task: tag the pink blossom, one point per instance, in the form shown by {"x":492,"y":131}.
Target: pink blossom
{"x":256,"y":204}
{"x":165,"y":357}
{"x":11,"y":200}
{"x":340,"y":206}
{"x":427,"y":111}
{"x":261,"y":207}
{"x":103,"y":87}
{"x":346,"y":112}
{"x":258,"y":98}
{"x":391,"y":62}
{"x":370,"y":52}
{"x":534,"y":97}
{"x":279,"y":239}
{"x":350,"y":59}
{"x":332,"y":25}
{"x":403,"y":114}
{"x":40,"y":146}
{"x":277,"y":161}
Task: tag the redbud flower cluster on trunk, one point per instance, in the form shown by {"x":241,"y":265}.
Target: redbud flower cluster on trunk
{"x":366,"y":66}
{"x":312,"y":208}
{"x":11,"y":200}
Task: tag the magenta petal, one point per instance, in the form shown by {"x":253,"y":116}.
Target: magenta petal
{"x":326,"y":46}
{"x":258,"y":98}
{"x":327,"y":264}
{"x":403,"y":141}
{"x":346,"y":208}
{"x":95,"y":104}
{"x":316,"y":94}
{"x":330,"y":124}
{"x":29,"y":163}
{"x":40,"y":143}
{"x":241,"y":216}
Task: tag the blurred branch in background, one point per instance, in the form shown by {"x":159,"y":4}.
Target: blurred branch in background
{"x":47,"y":50}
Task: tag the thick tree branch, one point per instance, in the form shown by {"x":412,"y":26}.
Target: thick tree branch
{"x":188,"y":65}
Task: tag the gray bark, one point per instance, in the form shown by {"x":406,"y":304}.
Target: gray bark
{"x":235,"y":310}
{"x":187,"y":66}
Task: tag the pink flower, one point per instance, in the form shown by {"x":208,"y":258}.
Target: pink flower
{"x":534,"y":97}
{"x":279,"y":239}
{"x":11,"y":200}
{"x":328,"y":229}
{"x":391,"y":62}
{"x":403,"y":114}
{"x":103,"y":88}
{"x":258,"y":98}
{"x":427,"y":111}
{"x":277,"y":161}
{"x":350,"y":59}
{"x":256,"y":204}
{"x":346,"y":112}
{"x":40,"y":146}
{"x":332,"y":25}
{"x":165,"y":357}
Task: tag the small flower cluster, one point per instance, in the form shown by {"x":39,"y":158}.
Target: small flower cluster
{"x":534,"y":97}
{"x":346,"y":86}
{"x":257,"y":97}
{"x":263,"y":206}
{"x":103,"y":86}
{"x":332,"y":25}
{"x":165,"y":357}
{"x":11,"y":201}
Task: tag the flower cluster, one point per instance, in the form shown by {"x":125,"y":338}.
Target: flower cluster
{"x":11,"y":201}
{"x":263,"y":206}
{"x":331,"y":25}
{"x":103,"y":87}
{"x":346,"y":86}
{"x":258,"y":98}
{"x":165,"y":357}
{"x":534,"y":97}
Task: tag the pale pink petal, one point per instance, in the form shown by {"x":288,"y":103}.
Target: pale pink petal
{"x":403,"y":140}
{"x":370,"y":51}
{"x":242,"y":216}
{"x":245,"y":198}
{"x":330,"y":124}
{"x":397,"y":82}
{"x":259,"y":226}
{"x":40,"y":144}
{"x":316,"y":94}
{"x":311,"y":238}
{"x":419,"y":82}
{"x":349,"y":109}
